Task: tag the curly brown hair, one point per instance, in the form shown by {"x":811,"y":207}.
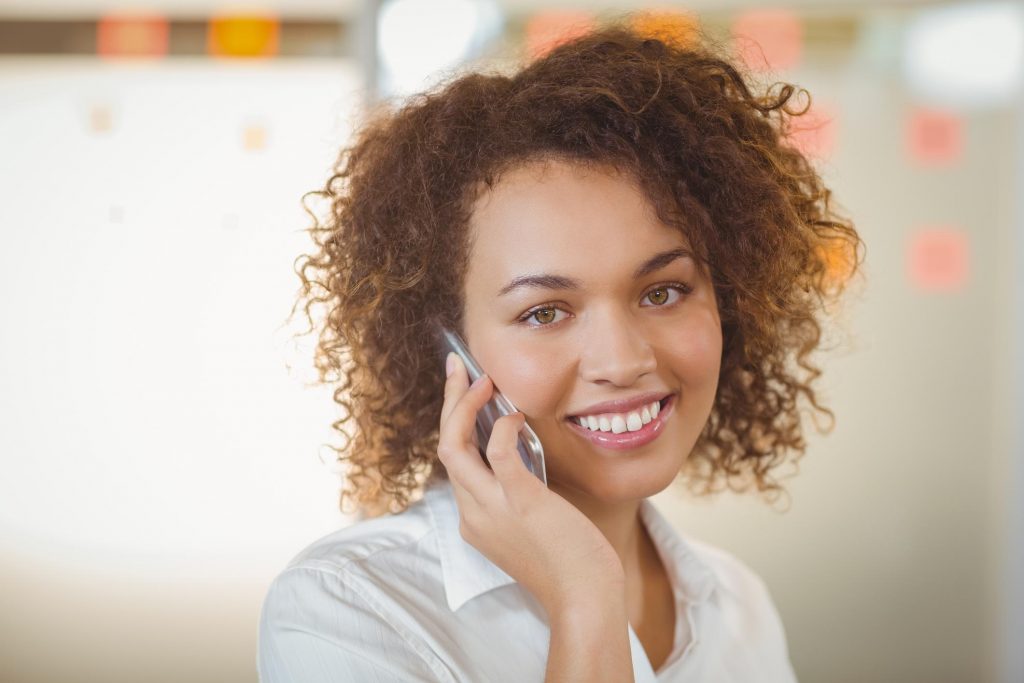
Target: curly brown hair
{"x":711,"y":153}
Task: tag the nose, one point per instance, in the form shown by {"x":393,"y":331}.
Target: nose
{"x":617,"y":351}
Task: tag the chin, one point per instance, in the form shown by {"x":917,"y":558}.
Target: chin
{"x":621,"y":481}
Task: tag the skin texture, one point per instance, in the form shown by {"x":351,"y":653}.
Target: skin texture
{"x":615,"y":337}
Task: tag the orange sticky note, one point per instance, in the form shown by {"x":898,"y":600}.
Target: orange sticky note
{"x":546,"y":30}
{"x":132,"y":36}
{"x":768,"y":39}
{"x":814,"y":131}
{"x":938,"y":259}
{"x":672,"y":26}
{"x":254,"y":137}
{"x":934,"y":137}
{"x":243,"y":36}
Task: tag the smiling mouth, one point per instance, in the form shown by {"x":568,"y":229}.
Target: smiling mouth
{"x":661,"y":403}
{"x":617,"y":442}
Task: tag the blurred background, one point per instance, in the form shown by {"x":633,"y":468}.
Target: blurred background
{"x":162,"y":441}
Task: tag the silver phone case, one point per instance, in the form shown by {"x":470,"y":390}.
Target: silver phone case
{"x":528,"y":443}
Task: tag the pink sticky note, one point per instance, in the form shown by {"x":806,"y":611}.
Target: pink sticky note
{"x":814,"y":132}
{"x":937,"y":259}
{"x":934,"y":137}
{"x":768,"y":39}
{"x":132,"y":36}
{"x":547,"y":29}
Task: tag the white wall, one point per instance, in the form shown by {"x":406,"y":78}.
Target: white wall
{"x":153,"y":437}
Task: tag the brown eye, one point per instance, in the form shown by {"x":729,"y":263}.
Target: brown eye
{"x":662,"y":296}
{"x":658,"y":296}
{"x":541,"y":316}
{"x":544,"y":315}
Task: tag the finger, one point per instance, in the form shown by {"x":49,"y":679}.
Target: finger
{"x":461,"y":456}
{"x":502,"y":451}
{"x":455,"y":385}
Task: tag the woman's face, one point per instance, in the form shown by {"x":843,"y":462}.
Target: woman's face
{"x":555,"y":348}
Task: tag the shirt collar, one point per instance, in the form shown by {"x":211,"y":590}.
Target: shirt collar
{"x":468,"y":573}
{"x":690,"y":575}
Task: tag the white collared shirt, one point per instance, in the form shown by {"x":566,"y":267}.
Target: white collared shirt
{"x":404,"y":598}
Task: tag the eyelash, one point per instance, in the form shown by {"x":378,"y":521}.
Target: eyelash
{"x":681,"y":287}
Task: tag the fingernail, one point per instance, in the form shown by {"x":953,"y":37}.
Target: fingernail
{"x":449,"y":364}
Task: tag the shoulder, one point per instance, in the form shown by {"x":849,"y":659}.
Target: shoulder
{"x":358,"y":543}
{"x":358,"y":567}
{"x":348,"y":568}
{"x":337,"y":601}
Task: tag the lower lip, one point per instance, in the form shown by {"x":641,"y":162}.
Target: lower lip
{"x":626,"y":440}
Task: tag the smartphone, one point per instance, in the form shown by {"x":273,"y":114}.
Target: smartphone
{"x":529,"y":445}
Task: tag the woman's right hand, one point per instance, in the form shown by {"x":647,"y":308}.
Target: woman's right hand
{"x":535,"y":535}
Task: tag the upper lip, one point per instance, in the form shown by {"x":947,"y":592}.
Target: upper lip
{"x":623,"y":405}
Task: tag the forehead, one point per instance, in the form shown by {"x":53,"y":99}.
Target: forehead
{"x":560,"y":217}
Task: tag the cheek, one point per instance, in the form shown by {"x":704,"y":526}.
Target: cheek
{"x":524,"y":377}
{"x":706,"y":342}
{"x":697,"y":349}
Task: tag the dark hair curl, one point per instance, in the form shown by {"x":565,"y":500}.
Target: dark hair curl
{"x":710,"y":152}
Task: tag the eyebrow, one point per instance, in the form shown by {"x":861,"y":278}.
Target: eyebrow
{"x":548,"y":281}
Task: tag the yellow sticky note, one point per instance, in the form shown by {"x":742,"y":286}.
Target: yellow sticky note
{"x":243,"y":36}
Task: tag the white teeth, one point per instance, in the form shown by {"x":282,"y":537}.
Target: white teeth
{"x":621,"y":422}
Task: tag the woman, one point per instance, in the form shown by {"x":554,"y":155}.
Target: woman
{"x":635,"y":257}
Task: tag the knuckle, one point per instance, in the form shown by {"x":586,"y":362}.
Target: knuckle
{"x":495,"y":449}
{"x":495,"y":446}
